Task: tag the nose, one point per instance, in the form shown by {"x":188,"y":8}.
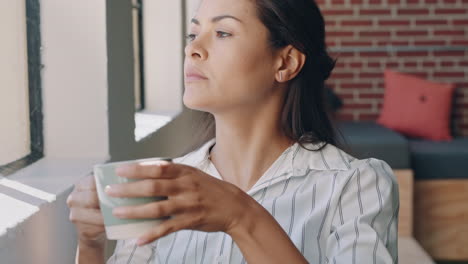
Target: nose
{"x":195,"y":50}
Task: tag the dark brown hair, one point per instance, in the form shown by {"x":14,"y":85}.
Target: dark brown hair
{"x":305,"y":117}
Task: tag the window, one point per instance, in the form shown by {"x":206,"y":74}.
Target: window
{"x":21,"y":137}
{"x":158,"y":43}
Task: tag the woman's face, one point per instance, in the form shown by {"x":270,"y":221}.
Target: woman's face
{"x":228,"y":47}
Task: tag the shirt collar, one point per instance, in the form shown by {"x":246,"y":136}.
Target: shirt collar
{"x":293,"y":162}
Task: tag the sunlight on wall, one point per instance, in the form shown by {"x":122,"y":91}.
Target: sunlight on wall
{"x":145,"y":124}
{"x":16,"y":211}
{"x":28,"y":190}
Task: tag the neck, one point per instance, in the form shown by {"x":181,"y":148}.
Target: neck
{"x":245,"y":150}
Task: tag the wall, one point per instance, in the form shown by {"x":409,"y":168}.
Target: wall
{"x":428,"y":38}
{"x":14,"y":99}
{"x":163,"y":57}
{"x":74,"y":78}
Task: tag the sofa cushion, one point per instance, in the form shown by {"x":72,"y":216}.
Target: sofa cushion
{"x":439,"y":160}
{"x":417,"y":107}
{"x":367,"y":139}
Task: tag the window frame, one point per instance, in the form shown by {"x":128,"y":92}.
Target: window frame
{"x":137,"y":6}
{"x":33,"y":39}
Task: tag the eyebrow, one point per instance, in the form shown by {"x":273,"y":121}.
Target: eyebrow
{"x":217,"y":18}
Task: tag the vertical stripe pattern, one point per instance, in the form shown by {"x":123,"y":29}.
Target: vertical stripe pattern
{"x":308,"y":217}
{"x":293,"y":211}
{"x":324,"y":218}
{"x":131,"y":255}
{"x":355,"y":239}
{"x":204,"y":249}
{"x":170,"y":250}
{"x":187,"y":247}
{"x":326,"y":201}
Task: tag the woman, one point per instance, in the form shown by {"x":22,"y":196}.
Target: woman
{"x":271,"y":186}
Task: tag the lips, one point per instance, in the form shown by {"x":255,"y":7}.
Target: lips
{"x":192,"y":74}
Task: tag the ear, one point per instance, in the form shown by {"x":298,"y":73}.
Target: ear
{"x":290,"y":63}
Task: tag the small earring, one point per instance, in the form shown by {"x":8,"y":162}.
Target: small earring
{"x":281,"y":76}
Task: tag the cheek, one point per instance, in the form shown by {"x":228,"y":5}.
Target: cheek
{"x":243,"y":72}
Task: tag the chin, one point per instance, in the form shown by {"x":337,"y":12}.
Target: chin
{"x":195,"y":101}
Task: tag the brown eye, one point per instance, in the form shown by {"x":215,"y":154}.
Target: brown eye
{"x":221,"y":34}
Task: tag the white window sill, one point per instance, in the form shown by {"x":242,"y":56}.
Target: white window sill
{"x":37,"y":185}
{"x":148,"y":123}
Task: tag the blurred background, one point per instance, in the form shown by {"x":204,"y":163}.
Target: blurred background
{"x":87,"y":82}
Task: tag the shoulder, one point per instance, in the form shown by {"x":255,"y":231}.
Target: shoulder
{"x":331,"y":157}
{"x":372,"y":179}
{"x":370,"y":171}
{"x":334,"y":160}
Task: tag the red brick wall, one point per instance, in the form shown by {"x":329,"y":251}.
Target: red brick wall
{"x":425,"y":37}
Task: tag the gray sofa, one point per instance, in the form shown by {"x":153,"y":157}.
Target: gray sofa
{"x":428,"y":159}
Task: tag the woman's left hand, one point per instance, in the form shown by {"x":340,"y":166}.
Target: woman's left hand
{"x":196,"y":200}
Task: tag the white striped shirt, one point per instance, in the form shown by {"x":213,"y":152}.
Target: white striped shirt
{"x":334,"y":207}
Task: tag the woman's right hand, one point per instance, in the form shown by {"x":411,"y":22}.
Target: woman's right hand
{"x":85,"y":213}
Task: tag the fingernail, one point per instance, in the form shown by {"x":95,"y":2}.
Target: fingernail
{"x":122,"y":170}
{"x":109,"y":190}
{"x":163,"y":163}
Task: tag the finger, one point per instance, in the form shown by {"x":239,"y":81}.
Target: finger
{"x":86,"y":216}
{"x":87,"y":199}
{"x":87,"y":183}
{"x":155,"y":169}
{"x":91,"y":232}
{"x":164,"y":228}
{"x":150,"y":210}
{"x":144,"y":188}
